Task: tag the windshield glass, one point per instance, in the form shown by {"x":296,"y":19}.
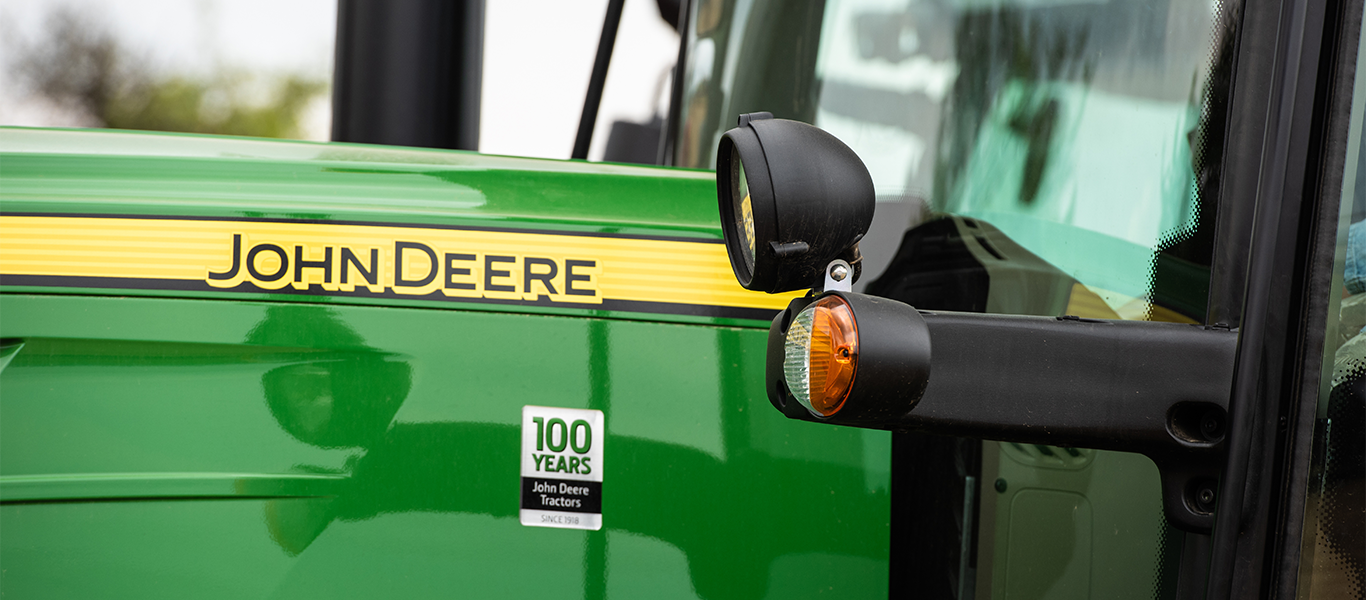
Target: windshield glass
{"x":1030,"y":156}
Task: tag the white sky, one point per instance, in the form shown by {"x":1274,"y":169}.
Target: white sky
{"x":537,"y":58}
{"x":535,"y":91}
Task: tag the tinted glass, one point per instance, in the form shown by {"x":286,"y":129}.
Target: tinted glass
{"x":1333,"y":555}
{"x":1070,"y":149}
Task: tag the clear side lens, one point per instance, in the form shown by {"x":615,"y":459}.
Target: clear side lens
{"x":744,"y":212}
{"x":820,"y":357}
{"x":797,"y":356}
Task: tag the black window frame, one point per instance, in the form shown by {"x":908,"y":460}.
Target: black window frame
{"x":1283,"y":179}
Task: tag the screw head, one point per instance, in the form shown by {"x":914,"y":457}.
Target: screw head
{"x":1000,"y":485}
{"x":838,"y":272}
{"x":1206,"y":496}
{"x":1211,"y":425}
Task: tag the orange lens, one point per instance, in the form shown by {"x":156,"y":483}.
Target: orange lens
{"x":822,"y":355}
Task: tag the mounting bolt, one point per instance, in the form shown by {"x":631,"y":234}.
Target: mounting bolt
{"x":1205,"y":498}
{"x":1212,"y":425}
{"x":1000,"y":485}
{"x":838,"y":272}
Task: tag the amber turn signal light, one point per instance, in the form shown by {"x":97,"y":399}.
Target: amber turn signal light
{"x":847,"y":359}
{"x":821,"y":355}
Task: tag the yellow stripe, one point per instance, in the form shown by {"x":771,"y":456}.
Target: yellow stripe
{"x":188,"y":250}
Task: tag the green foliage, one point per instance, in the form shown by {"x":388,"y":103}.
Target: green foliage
{"x":214,"y":106}
{"x":80,"y":66}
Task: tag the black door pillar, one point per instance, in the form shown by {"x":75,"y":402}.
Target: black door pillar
{"x":409,"y":72}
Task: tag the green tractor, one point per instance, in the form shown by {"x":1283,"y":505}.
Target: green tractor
{"x":929,"y":299}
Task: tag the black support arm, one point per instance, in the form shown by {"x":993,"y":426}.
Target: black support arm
{"x":1157,"y":389}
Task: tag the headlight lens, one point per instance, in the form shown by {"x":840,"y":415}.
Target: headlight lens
{"x":744,"y":212}
{"x":821,"y":355}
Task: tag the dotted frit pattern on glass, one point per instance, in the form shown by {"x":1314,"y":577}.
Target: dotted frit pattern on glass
{"x":1206,"y":144}
{"x":1340,"y":552}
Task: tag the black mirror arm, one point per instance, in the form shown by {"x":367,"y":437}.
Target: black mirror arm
{"x":1153,"y":388}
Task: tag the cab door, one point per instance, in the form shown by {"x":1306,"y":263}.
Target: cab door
{"x":1165,"y":161}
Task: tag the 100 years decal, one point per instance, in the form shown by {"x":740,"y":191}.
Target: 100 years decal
{"x":562,"y":467}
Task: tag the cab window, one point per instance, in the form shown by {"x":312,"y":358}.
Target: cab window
{"x":1030,"y":156}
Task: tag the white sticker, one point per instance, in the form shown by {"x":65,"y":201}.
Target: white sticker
{"x":562,"y":467}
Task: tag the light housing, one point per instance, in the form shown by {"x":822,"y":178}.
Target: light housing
{"x":880,"y":380}
{"x":792,"y":199}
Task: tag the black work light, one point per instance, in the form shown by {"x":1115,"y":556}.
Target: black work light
{"x":794,"y":202}
{"x":793,"y":199}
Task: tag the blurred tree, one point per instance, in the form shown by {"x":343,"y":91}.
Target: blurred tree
{"x":82,"y":67}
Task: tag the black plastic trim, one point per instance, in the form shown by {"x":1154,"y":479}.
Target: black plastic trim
{"x":675,"y":114}
{"x":1245,"y":128}
{"x":743,"y":145}
{"x":1337,"y":75}
{"x":1275,"y":325}
{"x":598,"y":79}
{"x":409,"y":73}
{"x":1113,"y":385}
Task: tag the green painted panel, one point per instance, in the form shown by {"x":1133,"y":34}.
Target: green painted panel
{"x":307,"y":186}
{"x":235,"y":449}
{"x":111,"y":172}
{"x":199,"y":549}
